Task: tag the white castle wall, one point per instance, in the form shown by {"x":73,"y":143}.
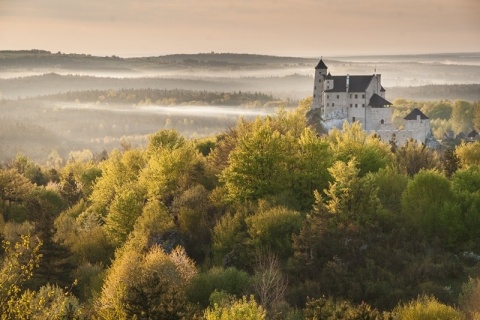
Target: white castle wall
{"x":378,"y":118}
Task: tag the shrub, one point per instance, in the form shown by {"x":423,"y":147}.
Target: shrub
{"x":242,"y":309}
{"x":425,"y":308}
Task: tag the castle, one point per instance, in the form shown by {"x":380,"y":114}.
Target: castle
{"x":362,"y":98}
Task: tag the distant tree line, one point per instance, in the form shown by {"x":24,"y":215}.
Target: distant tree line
{"x":227,"y":61}
{"x":470,"y":92}
{"x":166,"y":97}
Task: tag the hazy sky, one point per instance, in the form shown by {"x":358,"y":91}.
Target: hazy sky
{"x":278,"y":27}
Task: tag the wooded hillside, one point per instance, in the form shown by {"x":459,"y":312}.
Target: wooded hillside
{"x":267,"y":220}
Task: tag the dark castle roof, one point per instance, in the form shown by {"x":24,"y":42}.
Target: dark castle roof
{"x":473,"y":134}
{"x":413,"y":115}
{"x":321,"y":65}
{"x":377,"y":101}
{"x":356,"y":83}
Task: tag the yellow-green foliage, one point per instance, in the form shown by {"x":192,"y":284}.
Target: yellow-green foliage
{"x":257,"y":165}
{"x":49,"y":302}
{"x":468,"y":154}
{"x":146,"y":285}
{"x":352,"y":142}
{"x":120,"y":171}
{"x":242,"y":309}
{"x":17,"y":265}
{"x":426,"y":308}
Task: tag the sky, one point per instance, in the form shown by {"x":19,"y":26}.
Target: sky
{"x":305,"y":28}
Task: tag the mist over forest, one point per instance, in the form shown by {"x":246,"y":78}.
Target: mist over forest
{"x":56,"y":102}
{"x":205,"y":187}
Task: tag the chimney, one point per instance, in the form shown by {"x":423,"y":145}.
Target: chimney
{"x":348,"y":81}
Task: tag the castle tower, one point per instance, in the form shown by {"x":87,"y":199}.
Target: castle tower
{"x":319,"y":84}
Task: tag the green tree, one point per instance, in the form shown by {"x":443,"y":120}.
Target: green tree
{"x":14,"y":190}
{"x":77,"y":179}
{"x":229,"y":241}
{"x":81,"y":231}
{"x":164,"y":140}
{"x":414,"y":156}
{"x":43,"y":207}
{"x":169,"y":170}
{"x":155,"y":226}
{"x":193,"y":212}
{"x":16,"y":267}
{"x":390,"y":184}
{"x":429,"y":202}
{"x":311,"y":161}
{"x":49,"y":302}
{"x":352,"y":142}
{"x":271,"y":230}
{"x":257,"y":167}
{"x":30,"y":170}
{"x":462,"y":116}
{"x":124,"y":210}
{"x":476,"y":116}
{"x":466,"y":186}
{"x":230,"y":280}
{"x":70,"y":190}
{"x":118,"y":171}
{"x":147,"y":286}
{"x":468,"y":154}
{"x":351,"y":198}
{"x":440,"y":110}
{"x":450,"y":162}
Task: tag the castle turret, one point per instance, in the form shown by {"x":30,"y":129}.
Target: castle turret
{"x":320,"y":74}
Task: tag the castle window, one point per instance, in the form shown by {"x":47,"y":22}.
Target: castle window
{"x":350,"y":96}
{"x":363,"y":105}
{"x":328,"y":97}
{"x":328,"y":104}
{"x":382,"y":121}
{"x":320,"y":80}
{"x":363,"y":96}
{"x":353,"y":119}
{"x":315,"y":87}
{"x":356,"y":96}
{"x":333,"y":104}
{"x":338,"y":96}
{"x":356,"y":105}
{"x":351,"y":105}
{"x":314,"y":95}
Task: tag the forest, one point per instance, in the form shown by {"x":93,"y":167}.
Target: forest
{"x":266,"y":220}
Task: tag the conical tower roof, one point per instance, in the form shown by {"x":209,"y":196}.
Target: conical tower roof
{"x":321,"y":65}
